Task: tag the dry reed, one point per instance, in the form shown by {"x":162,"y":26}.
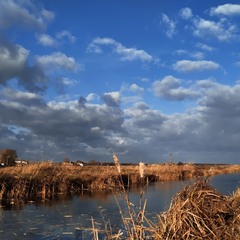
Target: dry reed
{"x":141,"y":169}
{"x":199,"y":212}
{"x":46,"y":180}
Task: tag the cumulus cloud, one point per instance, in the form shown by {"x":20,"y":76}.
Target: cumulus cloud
{"x":169,"y":25}
{"x":186,"y":13}
{"x":68,"y":82}
{"x":14,"y":64}
{"x":135,"y":88}
{"x":226,"y":9}
{"x":205,"y":47}
{"x":191,"y":66}
{"x":91,"y":97}
{"x":95,"y":125}
{"x":196,"y":54}
{"x":170,"y":88}
{"x":23,"y":98}
{"x":95,"y":129}
{"x":46,"y":40}
{"x":23,"y":13}
{"x":50,"y":41}
{"x":112,"y":99}
{"x":126,"y":54}
{"x":58,"y":60}
{"x":66,"y":34}
{"x":222,"y":30}
{"x":50,"y":123}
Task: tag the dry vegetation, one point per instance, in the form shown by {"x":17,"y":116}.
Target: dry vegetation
{"x":198,"y":212}
{"x":45,"y":179}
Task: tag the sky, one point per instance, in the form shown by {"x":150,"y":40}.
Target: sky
{"x":82,"y":79}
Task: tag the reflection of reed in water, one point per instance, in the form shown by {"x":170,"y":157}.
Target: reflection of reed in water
{"x":46,"y":180}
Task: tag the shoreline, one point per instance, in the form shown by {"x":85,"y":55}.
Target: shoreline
{"x":45,"y":180}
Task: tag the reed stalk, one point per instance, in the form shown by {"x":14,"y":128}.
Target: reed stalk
{"x":141,"y":169}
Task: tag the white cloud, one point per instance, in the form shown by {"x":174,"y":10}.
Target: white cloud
{"x":14,"y":64}
{"x":208,"y":131}
{"x":226,"y":9}
{"x":222,"y":30}
{"x":20,"y":13}
{"x":196,"y":54}
{"x":46,"y":40}
{"x":91,"y":97}
{"x":135,"y":88}
{"x":10,"y":61}
{"x":186,"y":13}
{"x":68,"y":81}
{"x":191,"y":66}
{"x":126,"y":54}
{"x":66,"y":34}
{"x":205,"y":47}
{"x":58,"y":60}
{"x":131,"y":54}
{"x":104,"y":41}
{"x":169,"y":25}
{"x":20,"y":96}
{"x":112,"y":99}
{"x":170,"y":88}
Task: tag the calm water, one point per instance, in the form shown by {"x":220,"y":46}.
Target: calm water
{"x":65,"y":218}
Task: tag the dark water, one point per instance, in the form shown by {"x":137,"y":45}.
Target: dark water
{"x":65,"y":218}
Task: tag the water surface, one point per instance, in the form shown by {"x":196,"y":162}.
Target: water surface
{"x":65,"y":218}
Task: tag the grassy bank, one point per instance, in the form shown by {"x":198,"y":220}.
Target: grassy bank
{"x":197,"y":212}
{"x":44,"y":180}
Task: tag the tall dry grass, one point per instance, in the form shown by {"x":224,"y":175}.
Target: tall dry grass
{"x":200,"y":212}
{"x":197,"y":212}
{"x":45,"y":180}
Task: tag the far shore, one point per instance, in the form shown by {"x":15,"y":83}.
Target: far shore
{"x":45,"y":180}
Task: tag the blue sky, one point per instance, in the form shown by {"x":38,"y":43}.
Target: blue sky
{"x":81,"y":79}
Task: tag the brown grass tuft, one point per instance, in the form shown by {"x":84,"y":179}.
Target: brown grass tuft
{"x":199,"y":212}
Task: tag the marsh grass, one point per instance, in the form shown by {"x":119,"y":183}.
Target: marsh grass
{"x":45,"y":181}
{"x":200,"y":212}
{"x":136,"y":225}
{"x":197,"y":212}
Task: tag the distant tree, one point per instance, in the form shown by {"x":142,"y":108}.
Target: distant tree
{"x":8,"y":157}
{"x":94,"y":162}
{"x":180,"y":163}
{"x":66,"y":160}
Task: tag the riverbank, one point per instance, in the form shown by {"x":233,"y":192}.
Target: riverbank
{"x":45,"y":180}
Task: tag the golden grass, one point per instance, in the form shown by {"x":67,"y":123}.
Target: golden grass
{"x":45,"y":179}
{"x":199,"y":212}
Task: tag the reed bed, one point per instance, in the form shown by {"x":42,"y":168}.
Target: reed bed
{"x":199,"y":212}
{"x":196,"y":213}
{"x":45,"y":180}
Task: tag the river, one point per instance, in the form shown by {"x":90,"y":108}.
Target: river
{"x":65,"y":218}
